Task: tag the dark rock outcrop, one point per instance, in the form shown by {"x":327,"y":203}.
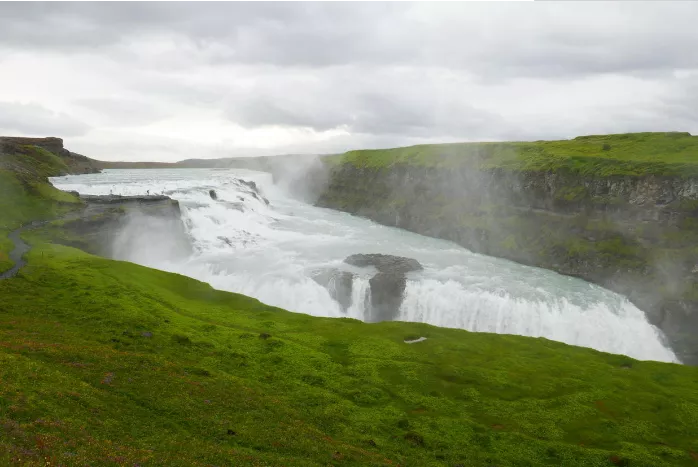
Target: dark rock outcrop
{"x":387,"y":264}
{"x":143,"y":202}
{"x":107,"y":224}
{"x":388,"y":285}
{"x":338,"y":283}
{"x":253,"y":190}
{"x":51,"y":144}
{"x":76,"y":163}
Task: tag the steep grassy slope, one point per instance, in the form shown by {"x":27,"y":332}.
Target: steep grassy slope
{"x":107,"y":363}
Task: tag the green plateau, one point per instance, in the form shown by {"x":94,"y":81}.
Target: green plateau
{"x":671,"y":153}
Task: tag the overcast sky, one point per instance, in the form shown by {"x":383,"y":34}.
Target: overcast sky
{"x":169,"y":81}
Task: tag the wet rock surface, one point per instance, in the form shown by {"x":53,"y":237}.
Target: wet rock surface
{"x":253,"y":190}
{"x":104,"y":219}
{"x":385,"y":263}
{"x":130,"y":200}
{"x":338,"y":283}
{"x":388,"y":285}
{"x":246,"y":187}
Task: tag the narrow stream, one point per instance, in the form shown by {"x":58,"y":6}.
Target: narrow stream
{"x":19,"y":250}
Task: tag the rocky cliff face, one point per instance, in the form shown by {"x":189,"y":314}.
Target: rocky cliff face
{"x":637,"y":235}
{"x":116,"y":226}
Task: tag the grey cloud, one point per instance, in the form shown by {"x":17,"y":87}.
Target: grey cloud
{"x":676,"y":110}
{"x":33,"y":119}
{"x":407,"y":103}
{"x":253,"y":30}
{"x":424,"y":115}
{"x":165,"y":150}
{"x":169,"y":88}
{"x":388,"y":74}
{"x":487,"y":39}
{"x":124,"y":112}
{"x":683,"y":101}
{"x":139,"y":148}
{"x":267,"y":111}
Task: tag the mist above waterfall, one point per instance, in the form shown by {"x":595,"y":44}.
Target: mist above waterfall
{"x":151,"y":241}
{"x":272,"y":251}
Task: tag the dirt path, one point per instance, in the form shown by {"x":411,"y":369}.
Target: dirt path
{"x":21,"y":248}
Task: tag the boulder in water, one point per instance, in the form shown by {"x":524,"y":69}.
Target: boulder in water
{"x":249,"y":184}
{"x":338,"y":283}
{"x":388,"y":285}
{"x":250,"y":188}
{"x":385,"y":263}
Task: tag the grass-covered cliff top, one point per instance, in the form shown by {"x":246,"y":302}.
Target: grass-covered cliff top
{"x":107,"y":363}
{"x":604,"y":155}
{"x":25,"y":194}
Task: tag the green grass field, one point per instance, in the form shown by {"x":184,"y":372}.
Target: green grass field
{"x":107,"y":363}
{"x":602,"y":155}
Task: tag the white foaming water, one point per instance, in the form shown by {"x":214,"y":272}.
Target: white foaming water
{"x":360,"y":298}
{"x":271,"y":252}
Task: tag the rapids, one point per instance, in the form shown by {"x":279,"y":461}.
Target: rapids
{"x":270,"y":252}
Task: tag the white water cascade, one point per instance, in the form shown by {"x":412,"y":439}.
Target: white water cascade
{"x":271,"y":252}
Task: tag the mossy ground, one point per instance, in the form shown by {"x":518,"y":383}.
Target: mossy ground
{"x":110,"y":363}
{"x":604,"y":155}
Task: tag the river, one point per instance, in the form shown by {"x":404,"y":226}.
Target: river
{"x":270,"y":252}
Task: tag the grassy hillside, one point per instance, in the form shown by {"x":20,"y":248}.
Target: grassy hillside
{"x":622,"y":154}
{"x":118,"y":364}
{"x":25,"y":194}
{"x":107,"y":363}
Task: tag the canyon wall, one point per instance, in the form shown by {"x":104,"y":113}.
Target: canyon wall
{"x":634,"y":234}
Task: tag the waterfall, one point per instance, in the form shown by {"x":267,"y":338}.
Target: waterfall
{"x":271,"y":251}
{"x":618,"y":327}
